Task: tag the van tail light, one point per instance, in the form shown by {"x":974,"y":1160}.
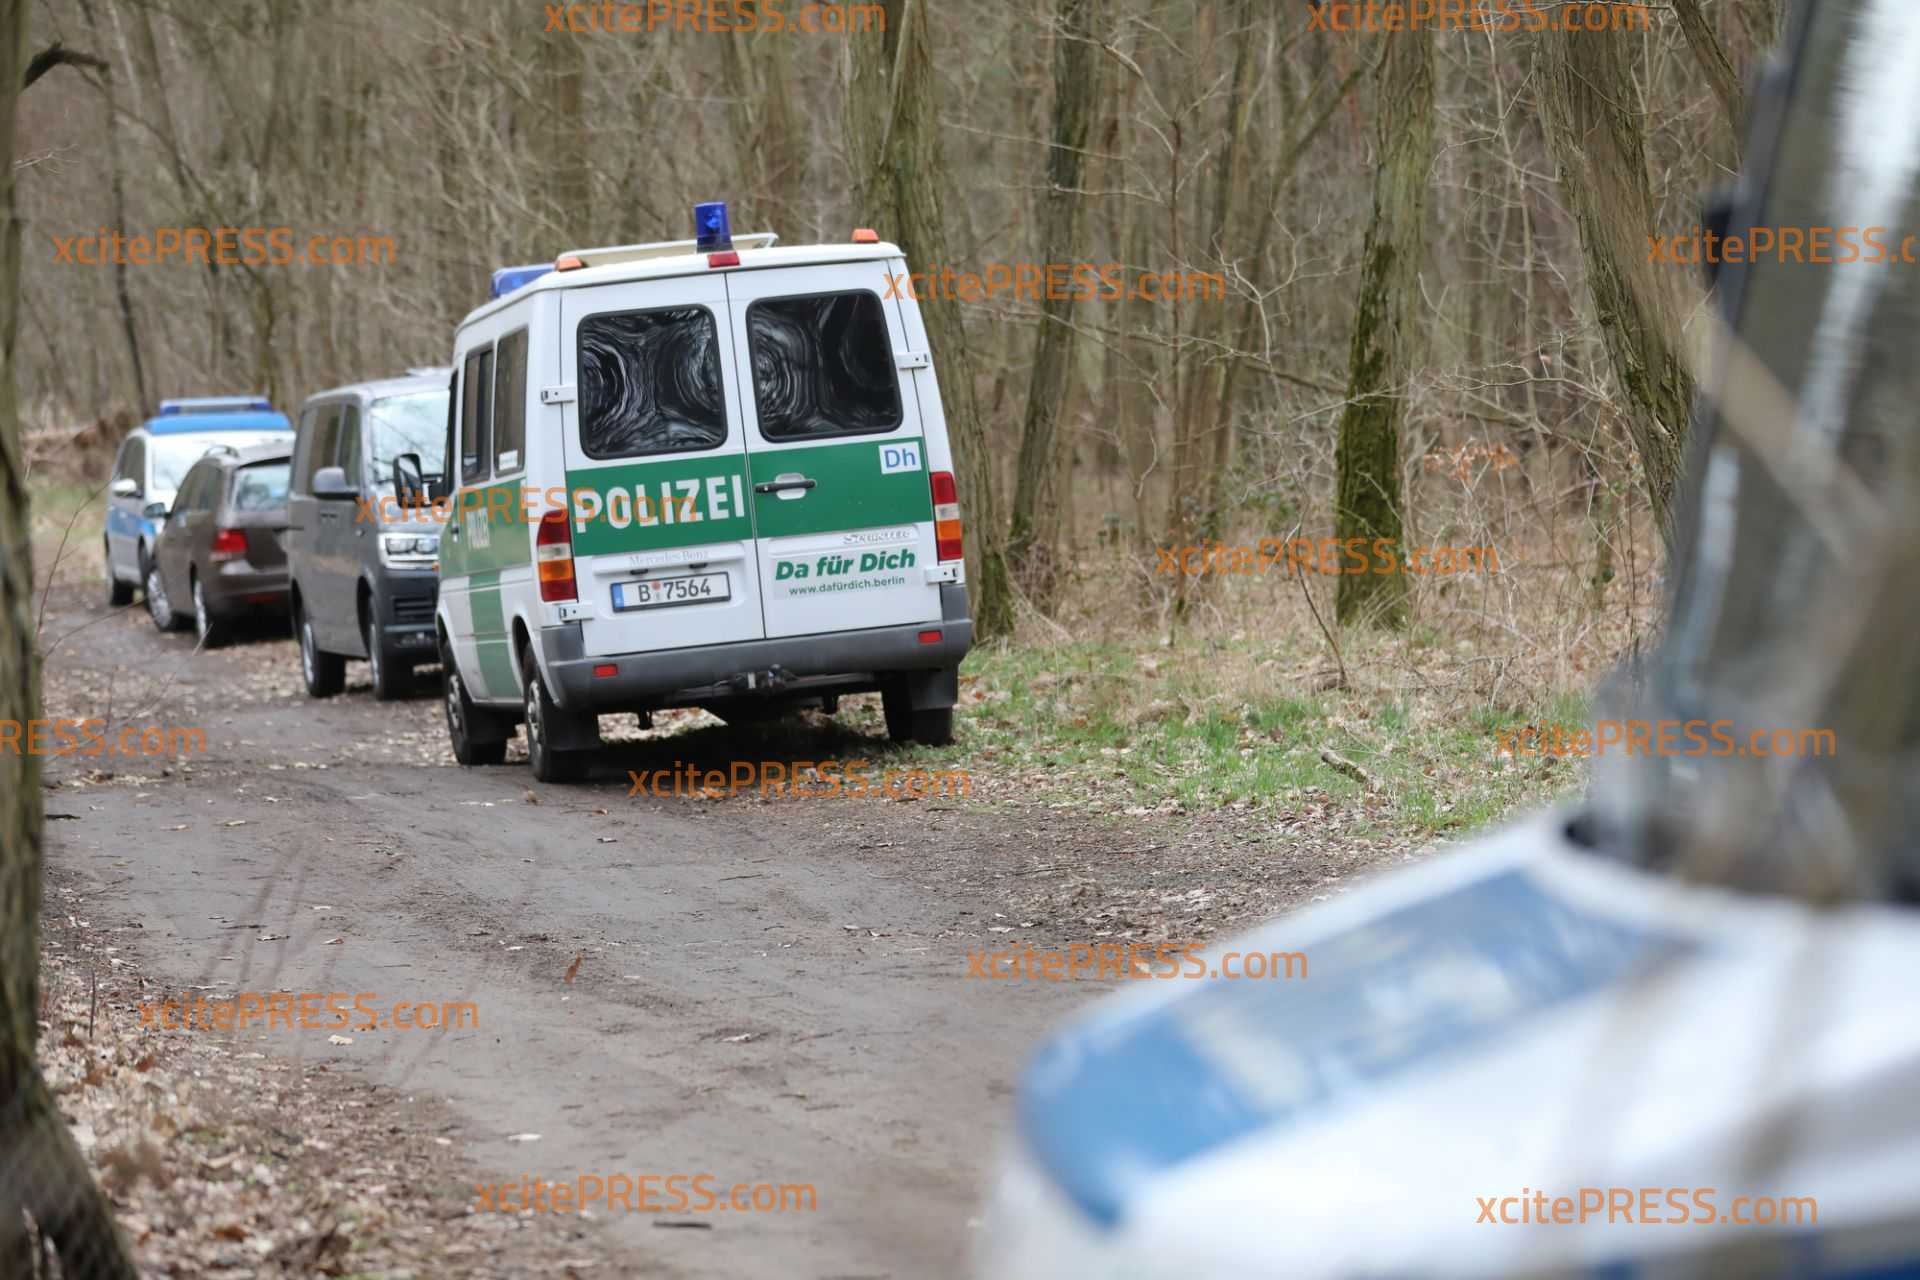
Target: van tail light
{"x":946,"y":516}
{"x":553,"y":555}
{"x":228,"y":544}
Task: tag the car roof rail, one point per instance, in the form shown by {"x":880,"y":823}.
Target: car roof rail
{"x":661,"y":249}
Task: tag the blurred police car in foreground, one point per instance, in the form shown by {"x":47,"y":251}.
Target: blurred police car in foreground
{"x":1515,"y":1018}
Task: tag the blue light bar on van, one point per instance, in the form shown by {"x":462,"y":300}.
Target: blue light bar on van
{"x":215,"y":404}
{"x":711,"y":233}
{"x":507,"y":279}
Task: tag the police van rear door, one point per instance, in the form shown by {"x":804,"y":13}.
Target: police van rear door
{"x":836,"y":449}
{"x":663,"y":549}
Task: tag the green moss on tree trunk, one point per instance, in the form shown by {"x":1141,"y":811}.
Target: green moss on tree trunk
{"x":1386,"y":331}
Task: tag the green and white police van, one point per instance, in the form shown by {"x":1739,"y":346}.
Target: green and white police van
{"x":696,"y":473}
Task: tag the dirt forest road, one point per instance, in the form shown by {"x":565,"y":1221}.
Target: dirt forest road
{"x":768,"y":992}
{"x":761,"y":990}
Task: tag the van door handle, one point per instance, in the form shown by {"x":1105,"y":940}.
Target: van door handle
{"x":783,"y":483}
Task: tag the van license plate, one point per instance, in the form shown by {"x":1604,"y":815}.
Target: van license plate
{"x":657,"y":593}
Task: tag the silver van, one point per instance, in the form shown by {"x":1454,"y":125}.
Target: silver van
{"x":364,"y":567}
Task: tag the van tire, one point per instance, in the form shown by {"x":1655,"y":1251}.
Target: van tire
{"x":473,"y":732}
{"x":933,"y":727}
{"x":390,"y":682}
{"x":896,"y":702}
{"x":325,"y":674}
{"x":548,"y":764}
{"x":118,"y":593}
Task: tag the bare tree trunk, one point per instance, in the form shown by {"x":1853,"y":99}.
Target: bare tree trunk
{"x":1593,"y":114}
{"x":196,"y":208}
{"x":1203,"y":423}
{"x":760,"y":108}
{"x":893,"y":120}
{"x":122,"y":294}
{"x":41,"y":1169}
{"x":565,"y":139}
{"x":1033,"y":537}
{"x":1386,"y":331}
{"x":1715,"y":66}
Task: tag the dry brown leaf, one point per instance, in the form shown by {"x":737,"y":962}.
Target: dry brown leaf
{"x":575,"y":966}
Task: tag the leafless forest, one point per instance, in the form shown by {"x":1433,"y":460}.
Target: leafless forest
{"x":1502,"y":356}
{"x":1439,"y":324}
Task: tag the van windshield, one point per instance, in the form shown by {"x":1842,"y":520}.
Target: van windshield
{"x":822,"y":366}
{"x":413,"y":423}
{"x":650,"y":383}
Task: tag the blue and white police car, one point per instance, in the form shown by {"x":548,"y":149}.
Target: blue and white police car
{"x":1519,"y":1059}
{"x":152,"y":461}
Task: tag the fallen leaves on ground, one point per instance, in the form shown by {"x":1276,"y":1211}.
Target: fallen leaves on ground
{"x":227,"y":1163}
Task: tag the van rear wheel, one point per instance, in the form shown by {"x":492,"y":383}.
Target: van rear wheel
{"x":932,"y":726}
{"x":468,"y":727}
{"x":544,"y":723}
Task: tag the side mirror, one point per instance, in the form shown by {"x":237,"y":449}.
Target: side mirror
{"x":125,"y":487}
{"x":330,"y":484}
{"x":154,"y":510}
{"x":408,"y":485}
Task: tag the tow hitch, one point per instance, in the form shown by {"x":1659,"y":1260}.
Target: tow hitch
{"x":772,"y":680}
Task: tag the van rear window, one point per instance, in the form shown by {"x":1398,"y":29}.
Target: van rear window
{"x":822,"y":366}
{"x":650,"y":383}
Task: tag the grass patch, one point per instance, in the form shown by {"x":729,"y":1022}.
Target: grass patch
{"x":1222,"y":724}
{"x":77,"y":514}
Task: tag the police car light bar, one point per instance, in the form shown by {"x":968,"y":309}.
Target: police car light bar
{"x":712,"y":233}
{"x":507,"y":279}
{"x":215,"y":404}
